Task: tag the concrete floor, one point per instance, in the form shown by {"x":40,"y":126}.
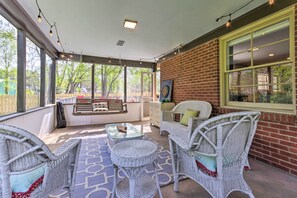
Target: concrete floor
{"x":265,"y":181}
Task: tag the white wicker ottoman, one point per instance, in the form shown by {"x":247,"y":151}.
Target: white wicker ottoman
{"x":131,"y":157}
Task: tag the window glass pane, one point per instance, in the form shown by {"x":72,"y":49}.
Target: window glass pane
{"x":32,"y":75}
{"x":241,"y":78}
{"x":109,"y":81}
{"x":281,"y":94}
{"x":274,"y":75}
{"x":134,"y":83}
{"x":48,"y":66}
{"x":8,"y":67}
{"x":238,"y":61}
{"x":241,"y":94}
{"x":272,"y":53}
{"x":73,"y":79}
{"x":274,"y":33}
{"x":274,"y":84}
{"x":241,"y":44}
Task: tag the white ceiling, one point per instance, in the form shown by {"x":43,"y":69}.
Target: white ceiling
{"x":93,"y":27}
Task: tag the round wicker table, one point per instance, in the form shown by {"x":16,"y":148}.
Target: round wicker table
{"x":131,"y":157}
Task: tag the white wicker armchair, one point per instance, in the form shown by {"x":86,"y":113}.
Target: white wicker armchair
{"x":169,"y":124}
{"x":223,"y":140}
{"x":22,"y":152}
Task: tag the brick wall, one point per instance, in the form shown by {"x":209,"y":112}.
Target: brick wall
{"x":196,"y":77}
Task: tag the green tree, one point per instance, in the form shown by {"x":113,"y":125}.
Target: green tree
{"x":108,"y":79}
{"x":33,"y":66}
{"x":71,"y":75}
{"x":8,"y":52}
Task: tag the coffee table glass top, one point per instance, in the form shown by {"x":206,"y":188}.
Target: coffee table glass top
{"x":113,"y":133}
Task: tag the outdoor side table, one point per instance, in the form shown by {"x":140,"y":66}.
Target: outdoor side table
{"x":131,"y":157}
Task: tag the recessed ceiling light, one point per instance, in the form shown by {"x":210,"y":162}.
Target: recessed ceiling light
{"x":270,"y":54}
{"x":130,"y":24}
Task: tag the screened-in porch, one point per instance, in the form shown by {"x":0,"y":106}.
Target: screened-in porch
{"x":190,"y":99}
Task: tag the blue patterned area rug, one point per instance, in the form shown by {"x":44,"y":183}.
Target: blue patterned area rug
{"x":94,"y":177}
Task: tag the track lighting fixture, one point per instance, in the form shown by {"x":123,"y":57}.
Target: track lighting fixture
{"x":51,"y":31}
{"x":109,"y":60}
{"x":271,"y":2}
{"x":39,"y":19}
{"x":52,"y":25}
{"x":229,"y":22}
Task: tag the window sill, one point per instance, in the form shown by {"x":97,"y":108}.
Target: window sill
{"x":18,"y":114}
{"x":268,"y":110}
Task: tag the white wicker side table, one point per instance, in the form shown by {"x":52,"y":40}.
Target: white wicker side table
{"x":131,"y":157}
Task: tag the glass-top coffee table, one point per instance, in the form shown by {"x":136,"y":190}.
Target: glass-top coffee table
{"x":114,"y":135}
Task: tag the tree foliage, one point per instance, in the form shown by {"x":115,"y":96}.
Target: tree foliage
{"x":8,"y":60}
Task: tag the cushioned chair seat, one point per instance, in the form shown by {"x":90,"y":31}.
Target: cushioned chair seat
{"x":176,"y":127}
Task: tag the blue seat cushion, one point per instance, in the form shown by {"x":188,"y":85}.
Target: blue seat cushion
{"x":207,"y":164}
{"x":24,"y":183}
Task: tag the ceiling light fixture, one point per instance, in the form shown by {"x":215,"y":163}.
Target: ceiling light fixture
{"x":130,"y":24}
{"x":270,"y":55}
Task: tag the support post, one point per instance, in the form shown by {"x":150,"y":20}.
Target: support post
{"x":93,"y":81}
{"x":53,"y":81}
{"x":125,"y":84}
{"x":21,"y":71}
{"x":42,"y":77}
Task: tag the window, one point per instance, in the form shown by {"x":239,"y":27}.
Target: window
{"x":32,"y":75}
{"x":73,"y":79}
{"x":109,"y":81}
{"x":8,"y":67}
{"x":257,"y":65}
{"x":134,"y":83}
{"x":48,"y":69}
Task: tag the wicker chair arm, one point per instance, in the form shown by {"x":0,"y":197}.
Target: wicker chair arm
{"x":193,"y":123}
{"x":167,"y":115}
{"x":66,"y":147}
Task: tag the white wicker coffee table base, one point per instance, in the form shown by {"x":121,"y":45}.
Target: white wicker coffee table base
{"x":131,"y":157}
{"x":144,"y":188}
